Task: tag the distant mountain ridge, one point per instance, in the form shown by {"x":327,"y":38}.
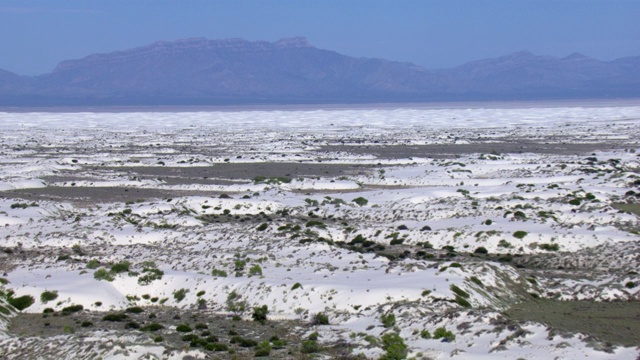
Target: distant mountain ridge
{"x":291,"y":71}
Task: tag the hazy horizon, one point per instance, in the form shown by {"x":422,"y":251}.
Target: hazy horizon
{"x":37,"y":35}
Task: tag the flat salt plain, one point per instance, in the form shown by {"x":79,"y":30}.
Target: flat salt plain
{"x":538,"y":188}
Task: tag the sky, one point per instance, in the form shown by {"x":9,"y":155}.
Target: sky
{"x":36,"y":35}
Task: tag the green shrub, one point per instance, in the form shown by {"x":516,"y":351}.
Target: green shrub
{"x":72,"y":309}
{"x":218,"y":273}
{"x":47,"y":296}
{"x":296,"y":286}
{"x":310,"y":347}
{"x":630,"y":285}
{"x":263,"y":348}
{"x":22,"y":302}
{"x":184,"y":328}
{"x":443,"y":333}
{"x":158,"y":339}
{"x":260,"y":314}
{"x":394,"y":346}
{"x":320,"y":319}
{"x":520,"y":234}
{"x":243,"y":342}
{"x":277,"y":343}
{"x":149,"y":275}
{"x":481,"y":250}
{"x":459,"y":291}
{"x":93,"y":264}
{"x":103,"y":274}
{"x":462,"y":302}
{"x":115,"y":317}
{"x":262,"y":227}
{"x":360,"y":201}
{"x":475,"y":280}
{"x":216,"y":347}
{"x":85,"y":324}
{"x":425,"y":334}
{"x":120,"y":267}
{"x":152,"y":327}
{"x":388,"y":320}
{"x":504,"y":243}
{"x":132,"y":325}
{"x":135,"y":310}
{"x":549,"y":247}
{"x":179,"y":295}
{"x":255,"y":270}
{"x":315,"y":223}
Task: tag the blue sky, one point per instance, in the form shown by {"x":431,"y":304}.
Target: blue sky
{"x":36,"y":35}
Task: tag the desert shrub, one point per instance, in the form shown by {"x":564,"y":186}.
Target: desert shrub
{"x":462,"y":301}
{"x":263,"y":348}
{"x":630,"y":285}
{"x":262,"y":227}
{"x":132,"y":325}
{"x":425,"y":334}
{"x":103,"y":274}
{"x":260,"y":314}
{"x":120,"y":267}
{"x":360,"y":201}
{"x":239,"y":265}
{"x":255,"y":270}
{"x":68,"y":329}
{"x":115,"y":317}
{"x":396,"y":242}
{"x":481,"y":250}
{"x":134,"y":310}
{"x":310,"y":347}
{"x":179,"y":295}
{"x":504,"y":243}
{"x":243,"y":342}
{"x":184,"y":328}
{"x":313,"y":336}
{"x":85,"y":324}
{"x":315,"y":223}
{"x":202,"y":326}
{"x":218,"y":273}
{"x":158,"y":339}
{"x":296,"y":286}
{"x":320,"y":319}
{"x":214,"y":346}
{"x":394,"y":346}
{"x":235,"y":304}
{"x":22,"y":302}
{"x":72,"y":309}
{"x":549,"y":247}
{"x":459,"y":291}
{"x":388,"y":320}
{"x":520,"y":234}
{"x":475,"y":280}
{"x":277,"y":343}
{"x":152,"y":327}
{"x":575,"y":202}
{"x":47,"y":296}
{"x":93,"y":264}
{"x":150,"y":274}
{"x":443,"y":333}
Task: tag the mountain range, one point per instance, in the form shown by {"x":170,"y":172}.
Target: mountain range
{"x":199,"y":71}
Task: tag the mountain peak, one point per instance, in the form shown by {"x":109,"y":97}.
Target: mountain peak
{"x":294,"y":42}
{"x":576,"y":56}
